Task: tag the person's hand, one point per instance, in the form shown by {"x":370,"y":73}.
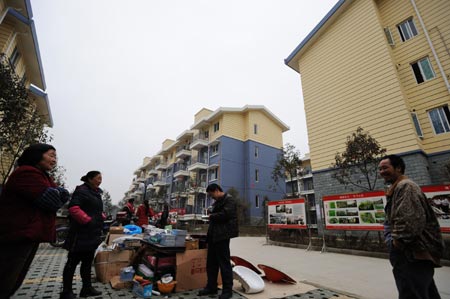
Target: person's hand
{"x":64,"y":194}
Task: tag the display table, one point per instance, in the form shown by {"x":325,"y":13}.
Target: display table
{"x":163,"y":249}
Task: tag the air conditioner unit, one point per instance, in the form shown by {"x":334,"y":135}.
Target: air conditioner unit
{"x":389,"y":37}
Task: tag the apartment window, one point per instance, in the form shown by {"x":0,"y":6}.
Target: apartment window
{"x":14,"y":58}
{"x":257,"y":201}
{"x":216,"y":127}
{"x":416,"y":124}
{"x":256,"y":152}
{"x":389,"y":37}
{"x":206,"y":134}
{"x":422,"y":70}
{"x":256,"y":175}
{"x":407,"y":29}
{"x":213,"y":174}
{"x":440,"y":119}
{"x":255,"y":129}
{"x":214,"y":149}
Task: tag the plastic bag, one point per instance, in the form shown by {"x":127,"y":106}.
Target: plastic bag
{"x":131,"y":229}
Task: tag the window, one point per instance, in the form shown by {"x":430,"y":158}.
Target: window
{"x":389,"y":37}
{"x":255,"y":129}
{"x":257,"y":201}
{"x":206,"y":134}
{"x":422,"y":70}
{"x":416,"y":124}
{"x":213,"y":174}
{"x":14,"y":58}
{"x":440,"y":118}
{"x":256,"y":152}
{"x":407,"y":29}
{"x":216,"y":127}
{"x":214,"y":149}
{"x":256,"y":175}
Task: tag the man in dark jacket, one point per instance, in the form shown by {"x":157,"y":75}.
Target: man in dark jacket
{"x":223,"y":225}
{"x":412,"y":233}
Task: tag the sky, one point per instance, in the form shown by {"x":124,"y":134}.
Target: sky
{"x":123,"y":76}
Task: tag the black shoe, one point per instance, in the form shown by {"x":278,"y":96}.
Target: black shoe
{"x":67,"y":295}
{"x":205,"y":291}
{"x":226,"y":295}
{"x":89,"y":291}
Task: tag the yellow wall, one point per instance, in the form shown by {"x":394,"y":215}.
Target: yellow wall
{"x":432,"y":93}
{"x":201,"y":114}
{"x":268,"y":132}
{"x":350,"y":80}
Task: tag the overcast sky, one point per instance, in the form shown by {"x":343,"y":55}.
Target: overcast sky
{"x":122,"y":76}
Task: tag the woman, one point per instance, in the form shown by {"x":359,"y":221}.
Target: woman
{"x":86,"y":223}
{"x":164,"y":216}
{"x":129,"y":209}
{"x":29,"y":203}
{"x":143,"y":213}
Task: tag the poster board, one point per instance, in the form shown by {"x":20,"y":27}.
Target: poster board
{"x":287,"y":213}
{"x":439,"y":198}
{"x":361,"y":211}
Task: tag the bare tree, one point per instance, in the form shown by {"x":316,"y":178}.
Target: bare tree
{"x":358,"y":164}
{"x":20,"y":122}
{"x":287,"y":166}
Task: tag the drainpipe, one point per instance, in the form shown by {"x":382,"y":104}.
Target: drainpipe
{"x":413,"y":3}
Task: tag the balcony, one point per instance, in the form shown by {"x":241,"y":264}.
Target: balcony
{"x":160,"y":182}
{"x":182,"y":153}
{"x":305,"y":192}
{"x":197,"y":164}
{"x":181,"y":173}
{"x":161,"y":166}
{"x":153,"y":172}
{"x":198,"y":143}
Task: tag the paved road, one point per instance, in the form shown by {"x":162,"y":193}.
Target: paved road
{"x":320,"y":275}
{"x":362,"y":277}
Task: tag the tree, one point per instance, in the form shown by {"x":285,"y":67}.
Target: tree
{"x":58,"y":175}
{"x":107,"y":203}
{"x":20,"y":123}
{"x":287,"y":166}
{"x":242,"y":206}
{"x":358,"y":164}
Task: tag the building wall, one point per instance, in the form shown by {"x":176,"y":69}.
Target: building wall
{"x":232,"y":160}
{"x":353,"y":52}
{"x":268,"y":132}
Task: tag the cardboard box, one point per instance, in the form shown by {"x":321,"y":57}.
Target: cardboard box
{"x":191,"y":244}
{"x":116,"y":230}
{"x":109,"y":263}
{"x":112,"y":237}
{"x":191,"y":270}
{"x":117,"y":284}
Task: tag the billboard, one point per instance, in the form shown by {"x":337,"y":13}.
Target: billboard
{"x":365,"y":211}
{"x":287,"y":213}
{"x":362,"y":211}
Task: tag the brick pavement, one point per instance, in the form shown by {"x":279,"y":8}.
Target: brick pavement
{"x":44,"y":281}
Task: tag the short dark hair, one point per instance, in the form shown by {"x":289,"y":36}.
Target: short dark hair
{"x":90,"y":175}
{"x":130,"y":200}
{"x":396,"y":162}
{"x":32,"y":155}
{"x":213,"y":187}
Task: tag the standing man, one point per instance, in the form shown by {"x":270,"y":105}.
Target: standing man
{"x":223,"y":225}
{"x":412,"y":233}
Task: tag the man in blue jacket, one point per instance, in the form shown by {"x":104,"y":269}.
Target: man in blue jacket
{"x":223,"y":225}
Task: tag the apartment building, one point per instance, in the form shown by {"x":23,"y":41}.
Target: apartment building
{"x":383,"y":65}
{"x":233,"y":147}
{"x":19,"y":44}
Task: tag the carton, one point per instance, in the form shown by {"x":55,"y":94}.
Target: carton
{"x":116,"y":230}
{"x":109,"y":263}
{"x":191,"y":270}
{"x":117,"y":284}
{"x":191,"y":244}
{"x":112,"y":237}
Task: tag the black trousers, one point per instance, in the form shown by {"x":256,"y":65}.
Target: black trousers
{"x":413,"y":278}
{"x":219,"y":258}
{"x":73,"y":258}
{"x":15,"y":260}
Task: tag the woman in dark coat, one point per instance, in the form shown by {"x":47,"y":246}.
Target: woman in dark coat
{"x":86,"y":223}
{"x":29,"y":202}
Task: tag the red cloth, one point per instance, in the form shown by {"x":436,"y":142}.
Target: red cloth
{"x":79,"y":215}
{"x":142,"y":216}
{"x":20,"y":219}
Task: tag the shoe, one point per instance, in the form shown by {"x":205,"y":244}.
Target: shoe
{"x":205,"y":291}
{"x":67,"y":295}
{"x":226,"y":295}
{"x":89,"y":291}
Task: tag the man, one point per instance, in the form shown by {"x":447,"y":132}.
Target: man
{"x":223,"y":225}
{"x":412,"y":233}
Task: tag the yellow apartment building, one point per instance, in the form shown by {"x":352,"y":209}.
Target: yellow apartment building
{"x":383,"y":65}
{"x":18,"y":41}
{"x":233,"y":147}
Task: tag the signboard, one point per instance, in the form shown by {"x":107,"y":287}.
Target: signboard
{"x":365,"y":211}
{"x":439,"y":198}
{"x":287,"y":213}
{"x":362,"y":211}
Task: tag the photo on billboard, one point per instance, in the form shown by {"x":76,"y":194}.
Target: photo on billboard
{"x":288,"y":213}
